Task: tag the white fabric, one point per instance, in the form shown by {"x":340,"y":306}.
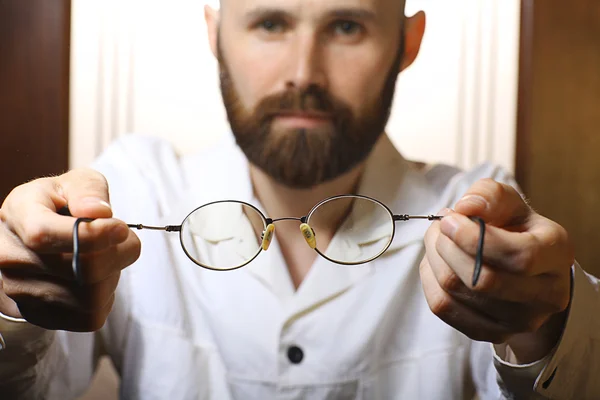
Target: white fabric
{"x":178,"y":331}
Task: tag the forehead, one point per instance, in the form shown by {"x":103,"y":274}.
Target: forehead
{"x":311,"y":7}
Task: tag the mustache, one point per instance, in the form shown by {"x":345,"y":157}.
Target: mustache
{"x":312,"y":99}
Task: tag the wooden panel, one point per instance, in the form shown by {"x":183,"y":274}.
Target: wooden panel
{"x":558,"y":144}
{"x":34,"y":94}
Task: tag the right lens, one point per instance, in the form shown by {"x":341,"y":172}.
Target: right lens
{"x":365,"y":232}
{"x":223,"y":235}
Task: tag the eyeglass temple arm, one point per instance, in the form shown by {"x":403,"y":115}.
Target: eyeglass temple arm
{"x":168,"y":228}
{"x":406,"y":217}
{"x":478,"y":255}
{"x":76,"y":269}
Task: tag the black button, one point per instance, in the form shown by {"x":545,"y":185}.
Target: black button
{"x":295,"y":354}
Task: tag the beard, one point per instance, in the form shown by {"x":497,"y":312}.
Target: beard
{"x":303,"y":158}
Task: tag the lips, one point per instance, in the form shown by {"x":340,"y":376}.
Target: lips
{"x":302,"y":120}
{"x":304,"y":115}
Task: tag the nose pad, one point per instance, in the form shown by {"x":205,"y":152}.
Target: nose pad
{"x":309,"y":235}
{"x":267,"y":235}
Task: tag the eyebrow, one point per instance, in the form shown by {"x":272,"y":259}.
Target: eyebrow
{"x":263,"y":12}
{"x":352,"y":13}
{"x":343,"y":13}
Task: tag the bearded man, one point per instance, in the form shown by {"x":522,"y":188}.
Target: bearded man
{"x":258,"y":294}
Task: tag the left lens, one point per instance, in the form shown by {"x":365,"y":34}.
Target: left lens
{"x":365,"y":229}
{"x":223,"y":235}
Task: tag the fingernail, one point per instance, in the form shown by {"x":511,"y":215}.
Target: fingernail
{"x":475,"y":201}
{"x":444,"y":211}
{"x":449,"y":226}
{"x":94,"y":201}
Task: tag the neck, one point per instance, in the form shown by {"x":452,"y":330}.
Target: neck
{"x":283,"y":201}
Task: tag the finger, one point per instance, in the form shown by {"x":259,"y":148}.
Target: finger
{"x":508,"y":313}
{"x":55,"y":317}
{"x":470,"y":322}
{"x":29,"y":288}
{"x":30,"y":213}
{"x":46,"y":232}
{"x":531,"y":253}
{"x":7,"y":305}
{"x":500,"y":294}
{"x":86,"y":193}
{"x":496,"y":203}
{"x":46,"y":235}
{"x":94,"y":267}
{"x":448,"y":279}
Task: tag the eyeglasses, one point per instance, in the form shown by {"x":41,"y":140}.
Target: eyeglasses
{"x":229,"y":234}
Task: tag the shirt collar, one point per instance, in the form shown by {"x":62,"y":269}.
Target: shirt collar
{"x":403,"y":187}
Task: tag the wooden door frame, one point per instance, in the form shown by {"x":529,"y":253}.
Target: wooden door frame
{"x":524,"y":102}
{"x":35,"y":81}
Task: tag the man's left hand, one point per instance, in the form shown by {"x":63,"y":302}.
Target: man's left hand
{"x":523,"y":291}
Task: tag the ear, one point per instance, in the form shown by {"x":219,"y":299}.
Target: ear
{"x":414,"y":31}
{"x":211,"y":16}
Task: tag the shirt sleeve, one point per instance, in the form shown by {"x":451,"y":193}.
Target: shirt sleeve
{"x":571,"y":370}
{"x":37,"y":363}
{"x":26,"y":349}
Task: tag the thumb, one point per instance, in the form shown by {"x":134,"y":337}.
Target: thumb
{"x":496,"y":203}
{"x":86,"y":193}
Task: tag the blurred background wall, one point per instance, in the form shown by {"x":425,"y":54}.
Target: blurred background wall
{"x":515,"y":82}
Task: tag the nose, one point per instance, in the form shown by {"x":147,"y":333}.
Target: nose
{"x":306,"y":67}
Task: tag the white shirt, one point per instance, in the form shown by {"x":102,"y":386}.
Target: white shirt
{"x":179,"y":331}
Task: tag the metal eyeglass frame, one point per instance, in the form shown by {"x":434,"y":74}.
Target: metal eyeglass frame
{"x":269,"y":227}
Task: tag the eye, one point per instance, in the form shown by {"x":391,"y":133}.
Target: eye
{"x":347,"y":28}
{"x":271,"y":26}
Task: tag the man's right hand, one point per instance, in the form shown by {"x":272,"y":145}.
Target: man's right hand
{"x":36,"y":245}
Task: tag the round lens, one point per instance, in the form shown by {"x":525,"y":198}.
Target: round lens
{"x":366,"y":228}
{"x":223,"y":235}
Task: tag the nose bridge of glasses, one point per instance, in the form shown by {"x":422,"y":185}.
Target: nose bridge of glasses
{"x":307,"y":232}
{"x":299,"y":219}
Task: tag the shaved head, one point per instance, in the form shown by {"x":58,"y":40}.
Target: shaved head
{"x":401,"y":3}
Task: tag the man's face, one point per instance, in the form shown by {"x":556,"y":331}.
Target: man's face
{"x":308,"y":84}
